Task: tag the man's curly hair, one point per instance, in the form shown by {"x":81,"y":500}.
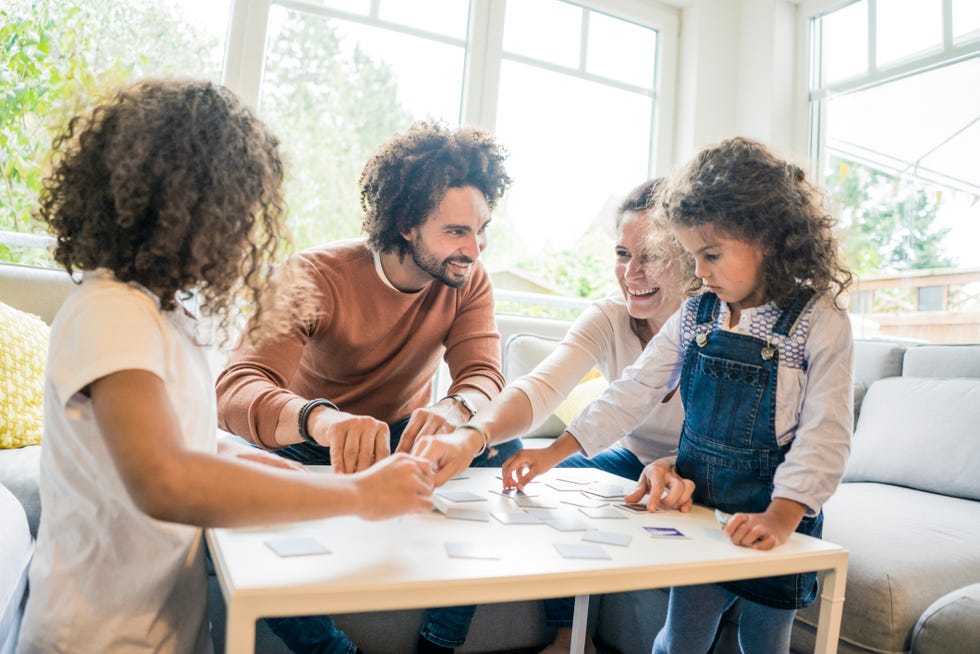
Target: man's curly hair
{"x":175,"y":185}
{"x":745,"y":192}
{"x":407,"y":177}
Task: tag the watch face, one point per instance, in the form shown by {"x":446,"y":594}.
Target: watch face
{"x":462,"y":399}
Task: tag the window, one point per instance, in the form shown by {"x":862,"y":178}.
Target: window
{"x":593,"y":70}
{"x":335,"y":85}
{"x":335,"y":78}
{"x":895,"y":127}
{"x":57,"y":56}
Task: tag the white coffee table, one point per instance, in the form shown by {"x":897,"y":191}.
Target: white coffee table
{"x":402,"y":563}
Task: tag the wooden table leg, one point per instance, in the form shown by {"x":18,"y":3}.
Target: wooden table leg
{"x":239,"y":631}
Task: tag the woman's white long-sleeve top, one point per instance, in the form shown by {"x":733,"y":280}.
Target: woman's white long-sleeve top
{"x":601,"y":338}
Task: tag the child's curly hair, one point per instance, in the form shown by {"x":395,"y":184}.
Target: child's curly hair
{"x":745,"y":192}
{"x":175,"y":185}
{"x":405,"y":180}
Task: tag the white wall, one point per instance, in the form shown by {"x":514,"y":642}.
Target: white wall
{"x":737,"y":76}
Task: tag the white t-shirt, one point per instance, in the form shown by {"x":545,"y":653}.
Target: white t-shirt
{"x":106,"y":577}
{"x":602,"y":338}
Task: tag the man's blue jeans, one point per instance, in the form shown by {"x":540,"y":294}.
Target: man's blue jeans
{"x":318,"y":634}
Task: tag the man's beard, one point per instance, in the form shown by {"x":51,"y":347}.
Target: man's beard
{"x":439,"y":269}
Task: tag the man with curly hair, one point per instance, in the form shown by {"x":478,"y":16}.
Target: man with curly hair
{"x":355,"y":383}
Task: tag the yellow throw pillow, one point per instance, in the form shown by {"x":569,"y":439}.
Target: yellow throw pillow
{"x":23,"y":353}
{"x":580,"y":396}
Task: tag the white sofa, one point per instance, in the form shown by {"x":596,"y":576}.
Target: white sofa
{"x":908,"y":510}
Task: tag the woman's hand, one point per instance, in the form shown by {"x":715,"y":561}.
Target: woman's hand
{"x":524,"y":466}
{"x":449,"y":453}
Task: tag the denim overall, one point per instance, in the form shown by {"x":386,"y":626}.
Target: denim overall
{"x":728,"y":442}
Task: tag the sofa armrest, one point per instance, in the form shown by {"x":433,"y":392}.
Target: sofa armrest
{"x":949,"y":625}
{"x":39,"y":291}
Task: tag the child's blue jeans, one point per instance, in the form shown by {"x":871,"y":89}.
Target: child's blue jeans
{"x":695,"y":611}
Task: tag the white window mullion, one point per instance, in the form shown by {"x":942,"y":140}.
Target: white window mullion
{"x":947,"y":25}
{"x":665,"y":93}
{"x":872,"y":37}
{"x":583,"y":48}
{"x":481,"y":78}
{"x":245,"y":48}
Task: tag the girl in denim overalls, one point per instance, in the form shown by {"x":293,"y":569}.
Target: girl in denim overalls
{"x":763,"y":360}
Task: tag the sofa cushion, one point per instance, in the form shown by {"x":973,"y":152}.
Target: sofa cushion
{"x":950,"y":624}
{"x":17,"y":546}
{"x":876,"y":359}
{"x":906,"y":549}
{"x":942,"y":361}
{"x":20,"y":473}
{"x":581,"y":396}
{"x":521,"y":353}
{"x":23,"y":353}
{"x":920,"y":433}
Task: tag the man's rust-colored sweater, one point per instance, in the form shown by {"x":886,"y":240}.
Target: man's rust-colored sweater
{"x":372,"y":350}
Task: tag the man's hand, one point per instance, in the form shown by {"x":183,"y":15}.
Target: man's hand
{"x":440,"y":418}
{"x":355,"y":442}
{"x":658,"y":477}
{"x":449,"y":453}
{"x":764,"y":531}
{"x":399,"y":484}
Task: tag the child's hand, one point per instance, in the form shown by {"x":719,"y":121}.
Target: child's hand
{"x":666,"y":488}
{"x":236,"y":450}
{"x":397,"y":484}
{"x":764,"y":531}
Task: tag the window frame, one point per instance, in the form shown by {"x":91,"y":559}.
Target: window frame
{"x":816,"y":92}
{"x":248,"y":31}
{"x":817,"y":95}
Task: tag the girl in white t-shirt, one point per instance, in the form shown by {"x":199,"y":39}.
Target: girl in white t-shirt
{"x":170,"y":190}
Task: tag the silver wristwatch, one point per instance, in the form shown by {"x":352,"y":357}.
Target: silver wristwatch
{"x":462,"y":399}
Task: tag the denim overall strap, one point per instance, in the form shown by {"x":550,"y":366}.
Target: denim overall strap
{"x":728,"y":442}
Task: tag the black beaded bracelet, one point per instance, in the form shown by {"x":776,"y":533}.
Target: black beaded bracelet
{"x":304,"y":417}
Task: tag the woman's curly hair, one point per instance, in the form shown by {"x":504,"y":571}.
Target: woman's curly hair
{"x":745,"y":192}
{"x":407,"y":177}
{"x":175,"y":185}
